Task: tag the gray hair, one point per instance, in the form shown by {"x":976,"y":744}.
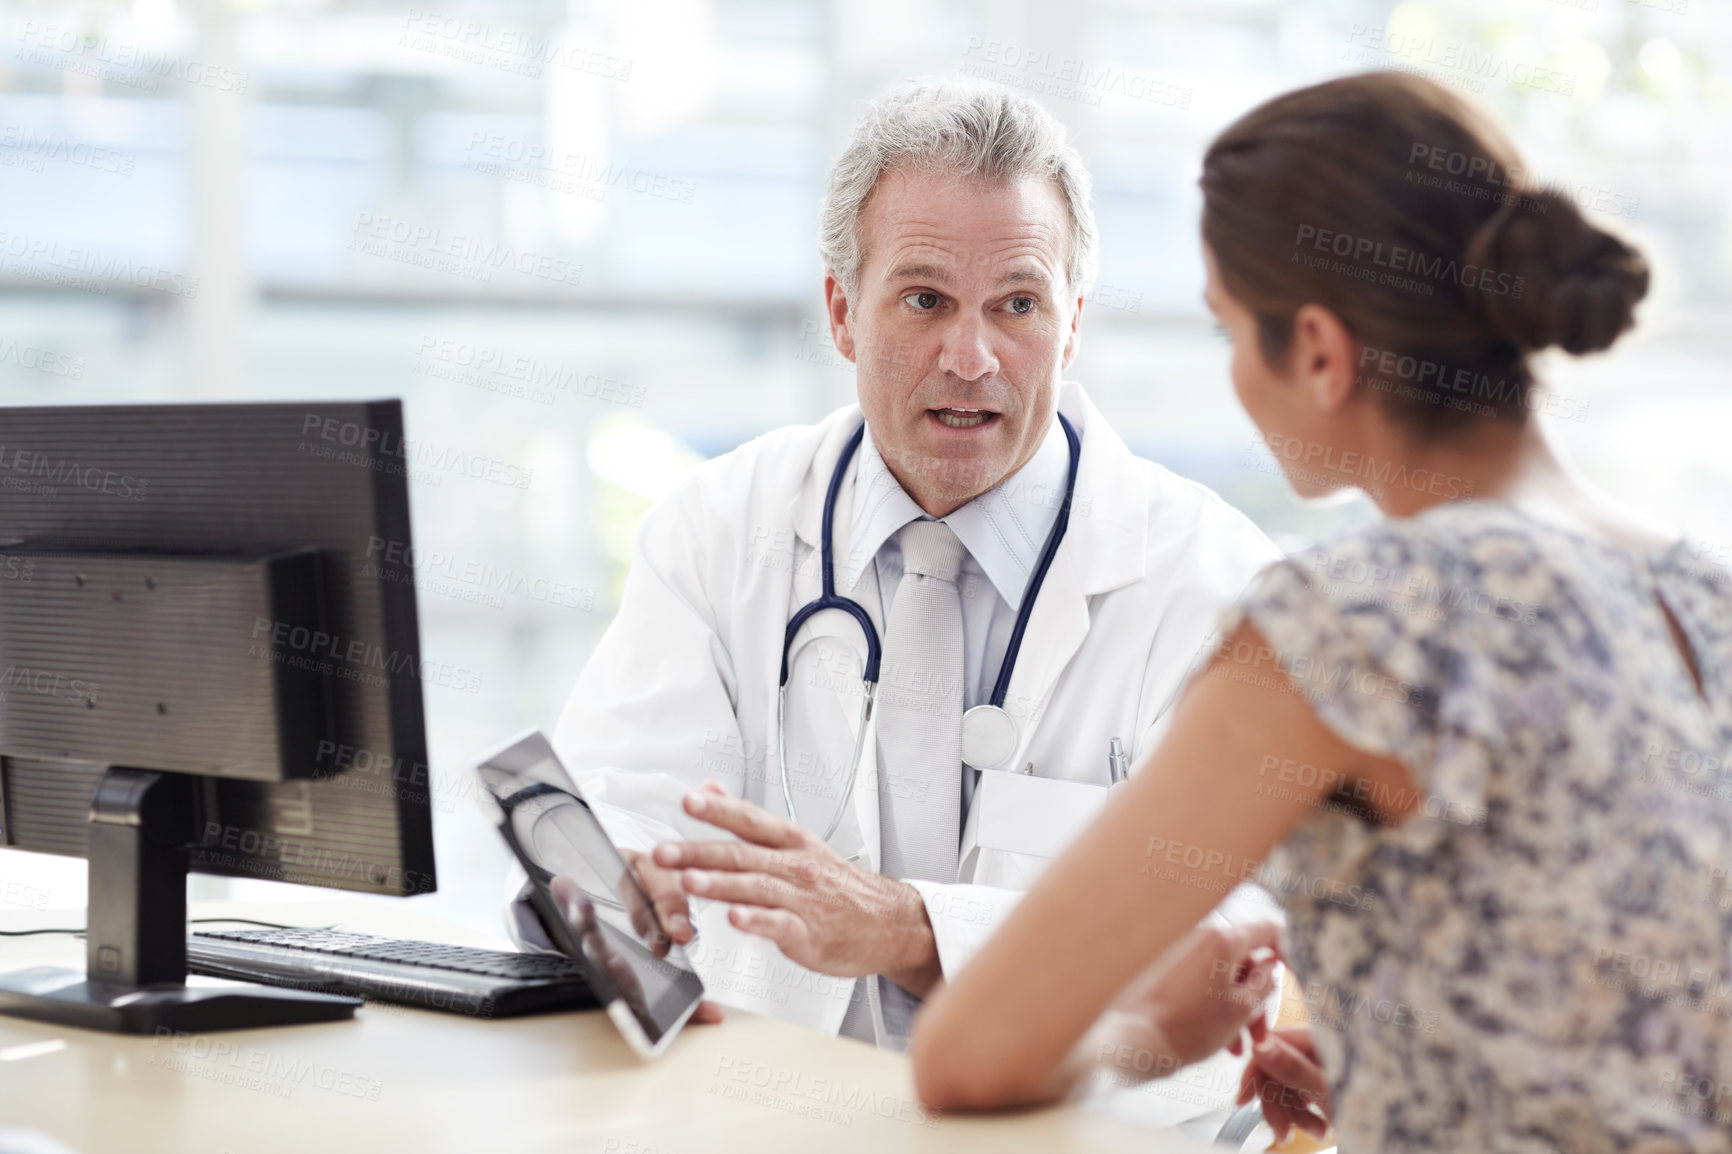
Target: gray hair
{"x":965,"y":128}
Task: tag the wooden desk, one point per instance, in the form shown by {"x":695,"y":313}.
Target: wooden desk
{"x":396,"y":1079}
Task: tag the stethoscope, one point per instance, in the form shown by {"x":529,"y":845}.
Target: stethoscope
{"x":989,"y":734}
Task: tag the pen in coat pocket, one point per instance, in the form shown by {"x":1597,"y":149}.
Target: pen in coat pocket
{"x":1118,"y":765}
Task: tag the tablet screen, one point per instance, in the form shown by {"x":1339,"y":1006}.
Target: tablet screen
{"x":592,"y":903}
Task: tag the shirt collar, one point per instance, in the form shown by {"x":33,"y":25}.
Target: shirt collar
{"x":1003,"y":529}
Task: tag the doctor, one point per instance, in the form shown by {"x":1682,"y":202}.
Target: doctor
{"x":959,"y":239}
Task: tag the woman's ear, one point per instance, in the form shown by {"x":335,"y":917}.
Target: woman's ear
{"x":1323,"y":356}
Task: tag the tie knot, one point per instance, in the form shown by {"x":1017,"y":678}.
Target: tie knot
{"x":931,"y":549}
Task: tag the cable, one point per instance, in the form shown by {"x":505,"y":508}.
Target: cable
{"x":190,"y":922}
{"x":256,"y":922}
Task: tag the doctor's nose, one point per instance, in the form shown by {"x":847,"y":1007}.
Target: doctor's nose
{"x":967,"y":352}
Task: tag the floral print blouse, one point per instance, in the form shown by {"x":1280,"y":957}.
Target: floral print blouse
{"x":1540,"y":959}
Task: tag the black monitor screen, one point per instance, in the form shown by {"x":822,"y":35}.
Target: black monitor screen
{"x":145,"y":535}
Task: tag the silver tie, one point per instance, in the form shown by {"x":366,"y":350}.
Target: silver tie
{"x":920,"y":710}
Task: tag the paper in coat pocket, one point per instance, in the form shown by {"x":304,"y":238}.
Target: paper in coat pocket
{"x":1021,"y":813}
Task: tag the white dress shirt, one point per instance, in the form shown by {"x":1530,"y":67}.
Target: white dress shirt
{"x":1002,"y":532}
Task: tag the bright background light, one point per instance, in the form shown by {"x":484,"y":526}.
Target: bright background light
{"x":679,"y":153}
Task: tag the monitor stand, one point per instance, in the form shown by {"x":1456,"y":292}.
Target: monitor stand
{"x":141,"y":824}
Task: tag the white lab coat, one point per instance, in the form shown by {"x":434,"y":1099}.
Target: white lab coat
{"x":682,"y":688}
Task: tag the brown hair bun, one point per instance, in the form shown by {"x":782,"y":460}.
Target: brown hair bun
{"x":1580,"y":284}
{"x":1404,"y":209}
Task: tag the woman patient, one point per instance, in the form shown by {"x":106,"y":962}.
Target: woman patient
{"x":1470,"y":740}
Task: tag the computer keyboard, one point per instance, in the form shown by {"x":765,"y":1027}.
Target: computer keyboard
{"x":427,"y":975}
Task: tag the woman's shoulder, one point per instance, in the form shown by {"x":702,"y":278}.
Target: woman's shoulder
{"x":1460,"y":539}
{"x":1483,"y":539}
{"x":1465,"y":561}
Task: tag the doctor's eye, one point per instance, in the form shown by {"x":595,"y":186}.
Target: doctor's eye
{"x":923,"y":301}
{"x":1021,"y":306}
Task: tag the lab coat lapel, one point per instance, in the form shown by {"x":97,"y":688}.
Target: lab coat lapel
{"x":806,"y":507}
{"x":1104,"y":547}
{"x":1056,"y":628}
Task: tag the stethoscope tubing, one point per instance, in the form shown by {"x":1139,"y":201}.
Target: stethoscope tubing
{"x":829,"y":599}
{"x":1001,"y":687}
{"x":827,"y":567}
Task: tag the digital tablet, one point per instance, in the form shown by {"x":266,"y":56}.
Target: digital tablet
{"x":590,"y":900}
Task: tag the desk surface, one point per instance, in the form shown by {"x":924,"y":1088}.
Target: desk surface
{"x":399,"y":1079}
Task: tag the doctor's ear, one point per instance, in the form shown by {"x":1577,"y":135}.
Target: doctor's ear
{"x":1321,"y":357}
{"x":1073,"y":338}
{"x":841,"y":319}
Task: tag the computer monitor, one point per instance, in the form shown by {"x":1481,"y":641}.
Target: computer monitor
{"x":209,"y":661}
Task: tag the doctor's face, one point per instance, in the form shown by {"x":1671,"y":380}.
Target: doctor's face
{"x":964,"y":321}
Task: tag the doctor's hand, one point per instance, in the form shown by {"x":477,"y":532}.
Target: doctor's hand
{"x":787,"y":885}
{"x":665,"y":894}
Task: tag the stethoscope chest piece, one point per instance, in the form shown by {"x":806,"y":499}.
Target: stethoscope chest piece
{"x":988,"y":737}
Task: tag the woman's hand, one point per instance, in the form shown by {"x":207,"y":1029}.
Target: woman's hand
{"x":1286,"y":1076}
{"x":1192,"y":1002}
{"x":1121,"y":896}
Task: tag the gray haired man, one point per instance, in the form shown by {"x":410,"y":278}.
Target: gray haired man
{"x":959,"y":242}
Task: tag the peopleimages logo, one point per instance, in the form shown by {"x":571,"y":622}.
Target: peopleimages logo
{"x":85,"y":269}
{"x":135,"y":66}
{"x":41,"y":360}
{"x":1397,"y":258}
{"x":372,"y":444}
{"x":44,"y":471}
{"x":278,"y":1072}
{"x":269,"y":853}
{"x":1433,"y":382}
{"x":45,"y":683}
{"x":315,"y":650}
{"x":462,"y":254}
{"x":485,"y":582}
{"x":1068,"y":77}
{"x":38,"y":146}
{"x":586,"y":173}
{"x":448,"y":359}
{"x":504,"y":49}
{"x":1464,"y":64}
{"x":1363,"y":469}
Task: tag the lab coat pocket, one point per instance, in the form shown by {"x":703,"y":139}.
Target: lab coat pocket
{"x":1019,"y":823}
